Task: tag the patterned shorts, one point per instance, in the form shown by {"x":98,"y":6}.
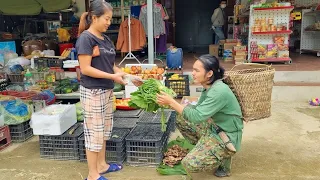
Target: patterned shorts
{"x":98,"y":116}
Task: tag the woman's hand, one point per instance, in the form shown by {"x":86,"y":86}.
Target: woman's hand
{"x":118,"y":78}
{"x":136,"y":80}
{"x":164,"y":99}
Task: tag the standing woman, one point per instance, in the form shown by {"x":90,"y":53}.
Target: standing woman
{"x":96,"y":54}
{"x":214,"y":124}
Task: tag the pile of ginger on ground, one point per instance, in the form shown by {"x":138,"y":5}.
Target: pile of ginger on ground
{"x":174,"y":155}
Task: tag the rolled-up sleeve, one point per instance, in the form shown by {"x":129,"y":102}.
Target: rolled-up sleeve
{"x":203,"y":111}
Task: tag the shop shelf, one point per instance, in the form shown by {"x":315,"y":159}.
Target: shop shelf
{"x":5,"y":138}
{"x":271,"y":60}
{"x":145,"y":145}
{"x":21,"y":132}
{"x":273,"y":32}
{"x":115,"y":148}
{"x":274,"y":8}
{"x":63,"y":147}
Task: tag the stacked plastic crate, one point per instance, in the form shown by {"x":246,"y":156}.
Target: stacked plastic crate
{"x":115,"y":147}
{"x":21,"y":132}
{"x":62,"y":147}
{"x":126,"y":119}
{"x":146,"y":142}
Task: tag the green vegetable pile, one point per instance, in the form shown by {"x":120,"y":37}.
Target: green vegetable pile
{"x":146,"y":98}
{"x":80,"y":112}
{"x":66,"y":86}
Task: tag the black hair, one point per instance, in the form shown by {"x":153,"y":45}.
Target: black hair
{"x":211,"y":63}
{"x":97,"y":8}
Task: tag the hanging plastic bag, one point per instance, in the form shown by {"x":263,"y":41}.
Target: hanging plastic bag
{"x":16,"y":111}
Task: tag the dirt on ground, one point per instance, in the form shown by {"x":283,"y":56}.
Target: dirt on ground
{"x":284,"y":146}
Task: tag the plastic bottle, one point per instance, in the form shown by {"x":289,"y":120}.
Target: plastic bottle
{"x":28,"y":81}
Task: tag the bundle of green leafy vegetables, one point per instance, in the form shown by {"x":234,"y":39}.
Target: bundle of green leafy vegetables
{"x":146,"y":98}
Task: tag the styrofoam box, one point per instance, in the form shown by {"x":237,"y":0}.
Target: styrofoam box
{"x":43,"y":123}
{"x":196,"y":90}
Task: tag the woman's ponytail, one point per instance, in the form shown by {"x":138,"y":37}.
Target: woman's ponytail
{"x":84,"y":24}
{"x":221,"y":72}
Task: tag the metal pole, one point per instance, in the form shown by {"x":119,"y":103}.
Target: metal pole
{"x":150,"y":31}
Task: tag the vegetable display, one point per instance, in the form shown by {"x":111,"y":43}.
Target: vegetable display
{"x":146,"y":98}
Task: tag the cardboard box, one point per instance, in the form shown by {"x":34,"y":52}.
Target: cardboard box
{"x":240,"y":53}
{"x":214,"y":50}
{"x":239,"y":58}
{"x":222,"y":42}
{"x":231,"y":41}
{"x":240,"y":48}
{"x":229,"y":45}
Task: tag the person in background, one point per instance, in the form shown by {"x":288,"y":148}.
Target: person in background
{"x":218,"y":21}
{"x":96,"y":55}
{"x":214,"y":124}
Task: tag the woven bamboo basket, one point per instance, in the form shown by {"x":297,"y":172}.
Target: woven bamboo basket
{"x":252,"y":85}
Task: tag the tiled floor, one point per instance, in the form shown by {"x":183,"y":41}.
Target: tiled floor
{"x":303,"y":62}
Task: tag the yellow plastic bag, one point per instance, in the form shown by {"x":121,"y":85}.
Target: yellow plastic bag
{"x":63,"y":35}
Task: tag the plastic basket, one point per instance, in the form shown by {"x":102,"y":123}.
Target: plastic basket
{"x":16,"y":78}
{"x":63,"y":147}
{"x":37,"y":76}
{"x":145,"y":145}
{"x":21,"y":132}
{"x":180,"y":87}
{"x":127,"y":114}
{"x":155,"y":118}
{"x":115,"y":147}
{"x":125,"y":123}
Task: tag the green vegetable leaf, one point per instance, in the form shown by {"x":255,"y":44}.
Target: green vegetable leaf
{"x":146,"y":98}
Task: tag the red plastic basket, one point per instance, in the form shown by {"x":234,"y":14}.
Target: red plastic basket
{"x":5,"y":138}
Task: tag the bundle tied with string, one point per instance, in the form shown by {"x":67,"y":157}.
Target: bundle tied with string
{"x":252,"y":85}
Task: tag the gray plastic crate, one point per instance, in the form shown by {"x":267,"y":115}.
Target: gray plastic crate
{"x":155,"y":118}
{"x":125,"y":123}
{"x":63,"y":147}
{"x":46,"y":147}
{"x":116,"y":159}
{"x":172,"y":120}
{"x":21,"y":132}
{"x":127,"y":114}
{"x":115,"y":147}
{"x":145,"y":145}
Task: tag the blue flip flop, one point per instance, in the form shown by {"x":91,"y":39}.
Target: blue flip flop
{"x":113,"y":168}
{"x":101,"y":178}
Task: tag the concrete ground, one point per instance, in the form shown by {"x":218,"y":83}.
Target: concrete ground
{"x":284,"y":146}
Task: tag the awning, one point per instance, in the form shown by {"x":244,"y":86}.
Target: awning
{"x":32,"y":7}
